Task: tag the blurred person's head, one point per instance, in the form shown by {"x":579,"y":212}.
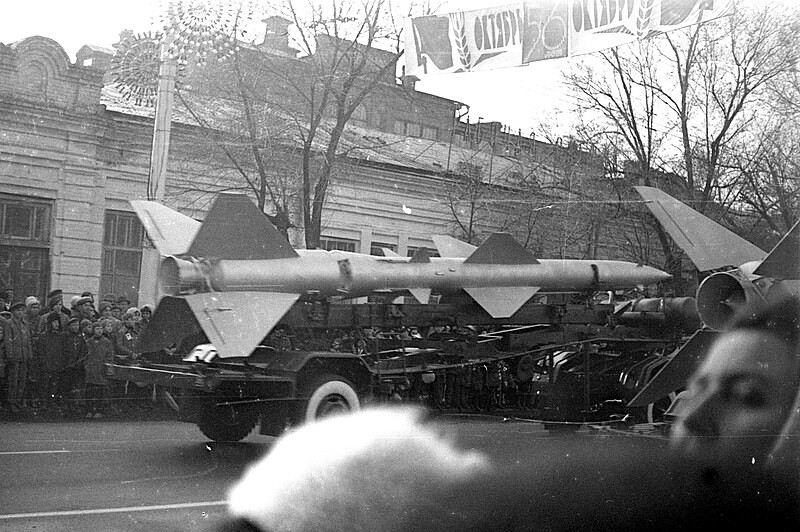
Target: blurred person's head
{"x":116,"y":312}
{"x":742,"y":395}
{"x":74,"y":325}
{"x":147,"y":313}
{"x":18,"y":309}
{"x":105,"y":309}
{"x":132,"y":317}
{"x":53,"y":323}
{"x":33,"y":305}
{"x":97,"y":329}
{"x":368,"y":470}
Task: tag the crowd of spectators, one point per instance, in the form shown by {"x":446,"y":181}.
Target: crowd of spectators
{"x":52,"y":355}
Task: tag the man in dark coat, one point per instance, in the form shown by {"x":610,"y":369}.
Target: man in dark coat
{"x":18,"y":354}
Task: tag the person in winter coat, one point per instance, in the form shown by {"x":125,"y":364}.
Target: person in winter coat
{"x":50,"y":352}
{"x":3,"y":340}
{"x":99,"y":351}
{"x":125,"y":338}
{"x":18,"y":354}
{"x":75,"y":352}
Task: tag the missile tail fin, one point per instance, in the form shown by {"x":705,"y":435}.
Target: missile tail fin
{"x":170,"y":231}
{"x":171,"y":323}
{"x":783,"y":262}
{"x":236,"y":229}
{"x":709,"y":245}
{"x":502,"y":302}
{"x":501,"y":248}
{"x":676,"y":372}
{"x":423,"y":295}
{"x":451,"y":248}
{"x":234,"y":322}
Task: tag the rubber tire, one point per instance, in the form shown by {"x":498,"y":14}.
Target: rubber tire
{"x":226,"y":423}
{"x":332,"y":395}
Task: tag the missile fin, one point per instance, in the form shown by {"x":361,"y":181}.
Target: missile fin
{"x":422,"y":255}
{"x":783,"y":262}
{"x":235,"y":322}
{"x":676,"y":372}
{"x":389,"y":253}
{"x":423,"y":295}
{"x":236,"y":229}
{"x":501,"y":248}
{"x":502,"y":302}
{"x":172,"y":321}
{"x":170,"y":231}
{"x":709,"y":245}
{"x":451,"y":248}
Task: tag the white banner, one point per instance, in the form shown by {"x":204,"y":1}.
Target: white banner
{"x":520,"y":33}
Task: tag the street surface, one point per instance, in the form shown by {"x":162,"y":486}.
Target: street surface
{"x":163,"y":475}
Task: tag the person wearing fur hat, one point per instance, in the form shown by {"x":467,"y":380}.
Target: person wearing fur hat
{"x":74,"y":356}
{"x":49,"y":354}
{"x":105,"y":310}
{"x":55,"y":306}
{"x":6,"y":299}
{"x":82,"y":309}
{"x":85,"y":328}
{"x":18,"y":355}
{"x":33,"y":316}
{"x":99,"y":351}
{"x":125,"y":338}
{"x":124,"y":304}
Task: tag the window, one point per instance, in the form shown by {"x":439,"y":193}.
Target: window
{"x":337,"y":244}
{"x":430,"y":133}
{"x":359,"y":116}
{"x":25,"y":245}
{"x":377,"y":248}
{"x":409,"y":129}
{"x":411,"y":250}
{"x":122,"y":255}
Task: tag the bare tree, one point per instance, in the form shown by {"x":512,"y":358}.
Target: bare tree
{"x":683,"y":125}
{"x":273,"y":115}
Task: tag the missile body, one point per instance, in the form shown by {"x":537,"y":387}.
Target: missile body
{"x":339,"y":273}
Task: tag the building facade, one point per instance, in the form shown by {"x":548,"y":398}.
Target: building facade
{"x":73,"y":152}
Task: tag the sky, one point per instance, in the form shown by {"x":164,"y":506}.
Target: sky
{"x":518,"y":97}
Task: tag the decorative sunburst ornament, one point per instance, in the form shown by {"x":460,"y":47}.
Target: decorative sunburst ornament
{"x":191,"y":31}
{"x":135,"y":67}
{"x":195,"y":29}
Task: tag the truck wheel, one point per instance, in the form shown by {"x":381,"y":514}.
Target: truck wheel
{"x":332,"y":395}
{"x":227,"y":423}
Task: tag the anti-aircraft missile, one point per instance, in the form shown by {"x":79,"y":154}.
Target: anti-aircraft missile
{"x":741,"y":272}
{"x":235,"y":266}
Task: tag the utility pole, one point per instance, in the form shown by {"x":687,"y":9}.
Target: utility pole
{"x":149,"y":290}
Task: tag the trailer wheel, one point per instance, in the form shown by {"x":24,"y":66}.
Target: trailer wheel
{"x":226,"y":423}
{"x":332,"y":395}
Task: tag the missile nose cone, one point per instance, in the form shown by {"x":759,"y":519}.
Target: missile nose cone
{"x":653,"y":274}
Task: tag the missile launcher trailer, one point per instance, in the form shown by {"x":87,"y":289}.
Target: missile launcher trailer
{"x":267,"y":333}
{"x":556,"y":362}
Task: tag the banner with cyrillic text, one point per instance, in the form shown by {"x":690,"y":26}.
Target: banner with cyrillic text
{"x":536,"y":30}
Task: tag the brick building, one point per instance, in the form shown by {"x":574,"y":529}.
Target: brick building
{"x":73,"y":153}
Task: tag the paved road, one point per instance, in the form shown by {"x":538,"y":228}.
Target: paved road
{"x":146,"y":476}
